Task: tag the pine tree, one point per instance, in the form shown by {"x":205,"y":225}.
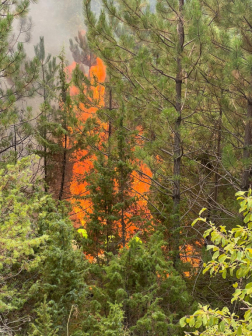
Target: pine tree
{"x":43,"y":324}
{"x":81,"y":51}
{"x":235,"y":50}
{"x":151,"y":57}
{"x":100,"y":220}
{"x":38,"y":257}
{"x":114,"y":212}
{"x":17,"y":78}
{"x":46,"y":89}
{"x":19,"y":240}
{"x":58,"y":129}
{"x":149,"y":291}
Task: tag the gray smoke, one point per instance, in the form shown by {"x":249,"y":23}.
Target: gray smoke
{"x":57,"y":21}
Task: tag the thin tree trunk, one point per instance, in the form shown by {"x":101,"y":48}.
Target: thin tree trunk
{"x":247,"y":147}
{"x":123,"y":227}
{"x":64,"y":98}
{"x":110,"y":108}
{"x":213,"y":200}
{"x":45,"y":133}
{"x":63,"y":169}
{"x":109,"y":205}
{"x":15,"y":143}
{"x":177,"y":133}
{"x":122,"y":184}
{"x":218,"y":154}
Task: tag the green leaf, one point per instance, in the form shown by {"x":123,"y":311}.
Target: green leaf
{"x":215,"y":255}
{"x":202,"y":210}
{"x":182,"y":322}
{"x":222,"y":326}
{"x":195,"y":221}
{"x":198,"y":323}
{"x":239,"y":331}
{"x":222,"y":258}
{"x":249,"y":205}
{"x":192,"y":321}
{"x":224,"y":273}
{"x":83,"y":232}
{"x":240,"y":193}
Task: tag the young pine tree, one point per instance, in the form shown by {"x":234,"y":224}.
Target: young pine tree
{"x":150,"y":293}
{"x":17,"y":79}
{"x":46,"y":87}
{"x":115,"y":209}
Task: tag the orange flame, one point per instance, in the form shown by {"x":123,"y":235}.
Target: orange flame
{"x":81,"y":168}
{"x":97,"y":73}
{"x":141,"y":181}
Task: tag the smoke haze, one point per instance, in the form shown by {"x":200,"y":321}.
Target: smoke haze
{"x":57,"y":21}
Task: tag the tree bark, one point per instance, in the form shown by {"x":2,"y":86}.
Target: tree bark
{"x":109,"y":204}
{"x":45,"y":131}
{"x":64,"y":161}
{"x":177,"y":133}
{"x":122,"y":186}
{"x":247,"y":147}
{"x":218,"y":155}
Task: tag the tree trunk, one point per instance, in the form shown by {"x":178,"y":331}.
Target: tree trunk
{"x":109,"y":205}
{"x":213,"y":196}
{"x":247,"y":148}
{"x":218,"y":155}
{"x":63,"y":169}
{"x":177,"y":133}
{"x":15,"y":143}
{"x":64,"y":107}
{"x":45,"y":131}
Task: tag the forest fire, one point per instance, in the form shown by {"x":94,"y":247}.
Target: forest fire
{"x":104,"y":171}
{"x":83,"y":162}
{"x":82,"y":167}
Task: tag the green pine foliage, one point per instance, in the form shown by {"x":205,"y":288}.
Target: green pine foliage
{"x":149,"y":291}
{"x":100,"y":223}
{"x":44,"y":325}
{"x":19,"y":233}
{"x":58,"y":130}
{"x":37,"y":254}
{"x":152,"y":57}
{"x":114,"y":202}
{"x":113,"y":324}
{"x":63,"y":273}
{"x":17,"y":79}
{"x":46,"y":89}
{"x":178,"y":99}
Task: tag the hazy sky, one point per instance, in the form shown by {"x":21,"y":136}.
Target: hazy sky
{"x":57,"y":21}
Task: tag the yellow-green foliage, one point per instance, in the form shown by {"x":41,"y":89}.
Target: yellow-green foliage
{"x":18,"y":237}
